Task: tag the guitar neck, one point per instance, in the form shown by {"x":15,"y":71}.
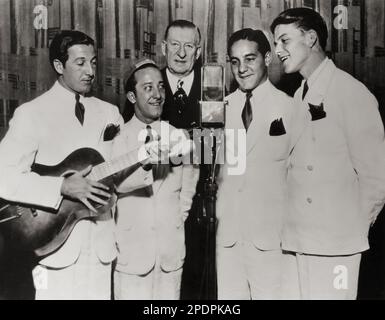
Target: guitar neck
{"x":109,"y":168}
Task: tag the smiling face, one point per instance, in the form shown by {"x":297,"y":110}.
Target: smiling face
{"x":293,"y":46}
{"x":149,"y":96}
{"x":181,"y":49}
{"x":248,"y":65}
{"x":78,"y":72}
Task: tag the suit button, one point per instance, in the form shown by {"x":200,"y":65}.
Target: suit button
{"x":310,"y":168}
{"x":309,"y":200}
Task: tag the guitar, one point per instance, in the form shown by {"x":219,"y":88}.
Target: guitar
{"x":44,"y":230}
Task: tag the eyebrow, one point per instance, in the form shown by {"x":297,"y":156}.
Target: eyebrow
{"x":84,"y":58}
{"x":280,"y":37}
{"x":246,"y":56}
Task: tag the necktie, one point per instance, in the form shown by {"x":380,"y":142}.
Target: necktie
{"x":150,"y":138}
{"x":180,"y":96}
{"x":79,"y":109}
{"x":247,"y":112}
{"x":305,"y":90}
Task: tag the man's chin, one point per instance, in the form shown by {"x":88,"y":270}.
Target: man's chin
{"x":289,"y":69}
{"x":85,"y":89}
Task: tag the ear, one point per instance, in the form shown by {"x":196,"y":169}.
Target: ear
{"x":268,"y":58}
{"x":163,"y":47}
{"x":198,"y":53}
{"x":311,"y":38}
{"x":58,"y":65}
{"x":131,"y":97}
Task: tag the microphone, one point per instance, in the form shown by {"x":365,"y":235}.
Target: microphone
{"x":212,"y":104}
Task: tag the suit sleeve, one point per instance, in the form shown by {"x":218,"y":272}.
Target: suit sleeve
{"x":133,"y":177}
{"x":17,"y":153}
{"x":190,"y":176}
{"x":366,"y":143}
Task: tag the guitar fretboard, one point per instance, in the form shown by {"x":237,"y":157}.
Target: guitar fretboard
{"x":113,"y":166}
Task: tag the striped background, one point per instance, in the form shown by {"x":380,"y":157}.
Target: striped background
{"x":128,"y":29}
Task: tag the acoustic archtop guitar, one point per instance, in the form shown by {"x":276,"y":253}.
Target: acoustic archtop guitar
{"x":44,"y":230}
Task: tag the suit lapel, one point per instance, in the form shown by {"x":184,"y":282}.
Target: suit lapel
{"x":261,"y":112}
{"x":316,"y":96}
{"x":301,"y":119}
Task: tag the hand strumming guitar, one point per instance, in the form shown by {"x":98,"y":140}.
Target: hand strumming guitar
{"x":78,"y":187}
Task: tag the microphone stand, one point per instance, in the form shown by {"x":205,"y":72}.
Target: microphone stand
{"x":209,"y":220}
{"x":212,"y":115}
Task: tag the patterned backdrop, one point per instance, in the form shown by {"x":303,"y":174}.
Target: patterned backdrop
{"x":128,"y":29}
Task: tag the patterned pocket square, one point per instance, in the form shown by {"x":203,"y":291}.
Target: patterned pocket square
{"x":317,"y":112}
{"x":111,"y":131}
{"x":277,"y":128}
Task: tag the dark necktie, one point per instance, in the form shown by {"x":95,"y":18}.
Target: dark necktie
{"x":305,"y":90}
{"x":150,"y":138}
{"x":180,"y":96}
{"x":247,"y":112}
{"x":79,"y":109}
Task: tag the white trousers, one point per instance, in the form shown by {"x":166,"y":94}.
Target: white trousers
{"x":155,"y":285}
{"x":245,"y":272}
{"x":87,"y":279}
{"x":310,"y":277}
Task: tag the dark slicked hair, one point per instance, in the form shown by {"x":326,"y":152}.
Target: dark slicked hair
{"x":183,"y":24}
{"x":251,"y":35}
{"x":305,"y":19}
{"x":63,"y":41}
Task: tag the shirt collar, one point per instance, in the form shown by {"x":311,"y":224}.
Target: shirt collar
{"x":65,"y":95}
{"x":173,"y":81}
{"x":140,"y":125}
{"x":313,"y":77}
{"x":320,"y":81}
{"x":259,"y":92}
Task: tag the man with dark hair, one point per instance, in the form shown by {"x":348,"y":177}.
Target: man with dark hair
{"x":150,"y":220}
{"x":336,"y":167}
{"x":251,"y":203}
{"x":45,"y":131}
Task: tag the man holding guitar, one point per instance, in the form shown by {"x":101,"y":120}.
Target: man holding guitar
{"x":42,"y":133}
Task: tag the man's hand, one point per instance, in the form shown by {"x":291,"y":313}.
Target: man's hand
{"x":77,"y":187}
{"x":155,"y":153}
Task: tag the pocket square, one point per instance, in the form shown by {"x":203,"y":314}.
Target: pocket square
{"x":277,"y":128}
{"x":111,"y":131}
{"x":317,"y":112}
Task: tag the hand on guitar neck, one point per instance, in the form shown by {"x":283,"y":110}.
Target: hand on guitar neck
{"x":154,"y":152}
{"x":78,"y":187}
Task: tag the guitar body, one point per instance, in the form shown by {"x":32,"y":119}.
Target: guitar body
{"x":41,"y":230}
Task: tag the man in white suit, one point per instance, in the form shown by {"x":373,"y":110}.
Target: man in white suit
{"x":150,"y":221}
{"x":251,"y":203}
{"x":46,"y":130}
{"x":336,"y":168}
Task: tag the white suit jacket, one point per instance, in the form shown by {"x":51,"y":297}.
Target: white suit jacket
{"x":150,"y":221}
{"x":336,"y":171}
{"x":45,"y":130}
{"x":250,"y":205}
